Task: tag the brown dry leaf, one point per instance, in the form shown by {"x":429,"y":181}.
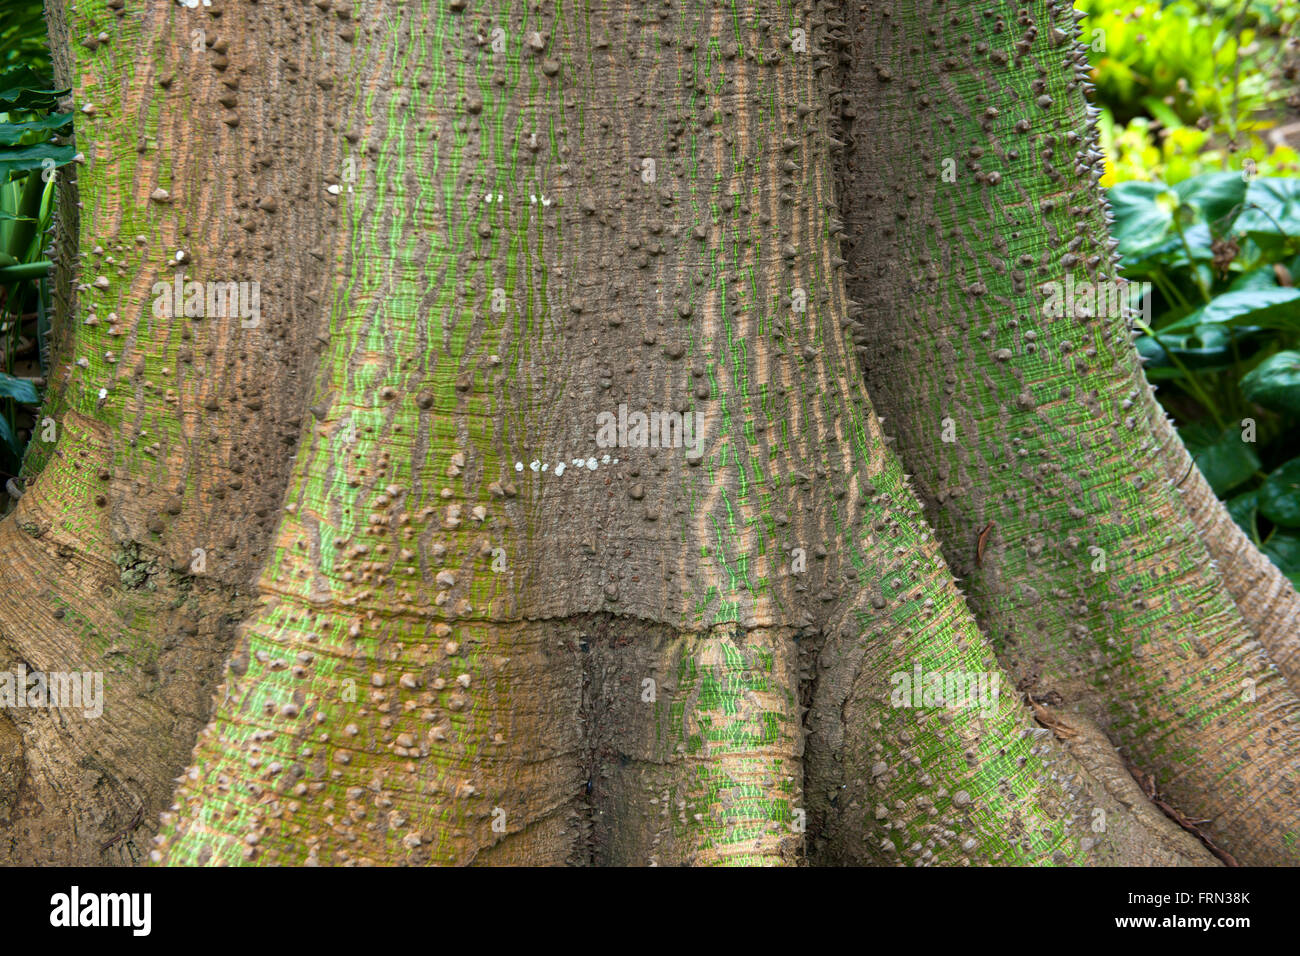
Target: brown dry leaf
{"x":1052,"y":721}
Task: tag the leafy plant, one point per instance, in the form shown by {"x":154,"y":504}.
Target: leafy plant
{"x":33,"y":145}
{"x":1189,"y":87}
{"x":1223,"y":332}
{"x":23,"y":38}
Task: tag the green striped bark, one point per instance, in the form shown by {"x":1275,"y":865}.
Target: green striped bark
{"x":451,"y":484}
{"x":480,"y":634}
{"x":1031,"y":437}
{"x":479,"y":427}
{"x":159,"y":461}
{"x":447,"y":435}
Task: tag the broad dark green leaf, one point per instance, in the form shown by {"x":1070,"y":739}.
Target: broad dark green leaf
{"x":1277,"y":308}
{"x":1196,"y":240}
{"x":28,"y":158}
{"x":24,"y":89}
{"x":1204,"y":347}
{"x":12,"y":134}
{"x":1143,"y":215}
{"x":19,"y":389}
{"x":1262,"y":277}
{"x":1150,"y":349}
{"x":1217,"y":197}
{"x":1279,"y":495}
{"x":1223,"y":458}
{"x":1272,"y":210}
{"x":1171,"y":253}
{"x":1283,"y":549}
{"x":1275,"y":383}
{"x":11,"y":441}
{"x":1242,"y":508}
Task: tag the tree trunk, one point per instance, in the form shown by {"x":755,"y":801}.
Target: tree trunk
{"x":1034,"y":438}
{"x":480,"y":621}
{"x":148,"y":513}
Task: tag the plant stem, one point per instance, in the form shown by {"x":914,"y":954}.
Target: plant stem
{"x":1192,"y":385}
{"x":1196,"y":274}
{"x":1168,"y":289}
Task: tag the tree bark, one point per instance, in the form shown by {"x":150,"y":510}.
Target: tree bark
{"x":1033,"y":438}
{"x":147,"y":516}
{"x":470,"y":629}
{"x":794,"y":462}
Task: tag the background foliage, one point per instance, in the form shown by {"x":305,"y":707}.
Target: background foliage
{"x":34,"y":142}
{"x":1189,"y":87}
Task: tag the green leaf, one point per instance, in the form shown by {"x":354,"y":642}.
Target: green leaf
{"x":18,"y":389}
{"x":1144,"y":218}
{"x":8,"y":437}
{"x":1172,"y":253}
{"x":1223,"y":458}
{"x":1217,"y":197}
{"x":1275,"y":383}
{"x":1276,"y":308}
{"x":1151,"y":350}
{"x":1206,"y":346}
{"x":1279,"y":495}
{"x":1143,"y":215}
{"x":1196,"y":240}
{"x":1283,"y":549}
{"x":24,"y":89}
{"x":30,"y":158}
{"x":1261,"y":278}
{"x":1243,"y":508}
{"x":11,"y":134}
{"x":1157,"y":108}
{"x":1272,"y":209}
